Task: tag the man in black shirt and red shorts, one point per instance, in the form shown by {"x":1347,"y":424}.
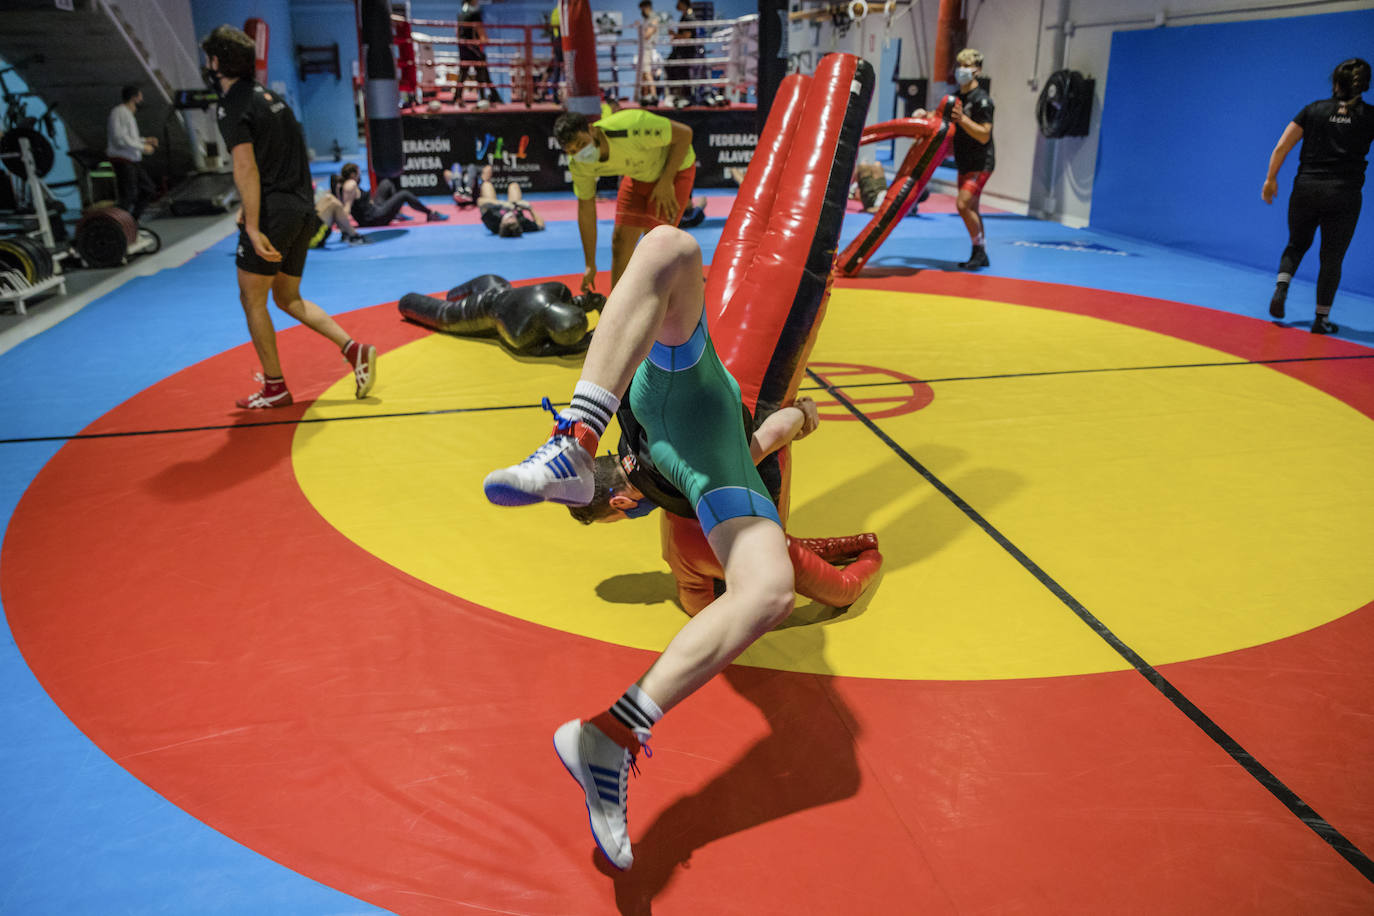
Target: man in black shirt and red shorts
{"x":1336,"y":134}
{"x":272,"y":173}
{"x":974,"y":154}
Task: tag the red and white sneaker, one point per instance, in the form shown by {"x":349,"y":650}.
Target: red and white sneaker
{"x":273,"y":393}
{"x":363,"y":358}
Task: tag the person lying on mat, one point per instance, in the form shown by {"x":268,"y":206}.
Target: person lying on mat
{"x":509,"y":218}
{"x":383,"y":204}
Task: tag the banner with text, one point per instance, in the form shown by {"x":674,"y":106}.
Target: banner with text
{"x":521,"y":147}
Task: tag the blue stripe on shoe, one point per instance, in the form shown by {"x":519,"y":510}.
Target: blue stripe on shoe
{"x":603,"y":771}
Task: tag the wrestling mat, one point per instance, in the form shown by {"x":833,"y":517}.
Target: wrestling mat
{"x":1117,"y":660}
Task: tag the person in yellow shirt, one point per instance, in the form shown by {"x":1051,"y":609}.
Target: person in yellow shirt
{"x":655,"y":158}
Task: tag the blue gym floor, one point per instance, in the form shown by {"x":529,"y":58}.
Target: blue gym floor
{"x":79,"y":834}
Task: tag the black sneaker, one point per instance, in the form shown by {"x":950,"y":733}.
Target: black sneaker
{"x":1321,"y":326}
{"x":978,"y":259}
{"x":358,"y":238}
{"x":1276,"y":303}
{"x":434,"y":216}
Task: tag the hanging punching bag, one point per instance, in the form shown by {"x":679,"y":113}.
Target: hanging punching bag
{"x":381,"y":92}
{"x":579,"y":53}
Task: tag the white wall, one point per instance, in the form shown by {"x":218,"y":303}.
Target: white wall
{"x":1053,"y":178}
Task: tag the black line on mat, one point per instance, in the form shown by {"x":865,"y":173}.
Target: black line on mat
{"x":1261,"y":774}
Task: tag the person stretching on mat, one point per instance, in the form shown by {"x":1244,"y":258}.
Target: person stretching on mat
{"x":272,"y":174}
{"x":653,"y":328}
{"x":1336,"y":134}
{"x":383,"y":204}
{"x":332,"y":213}
{"x":655,"y":158}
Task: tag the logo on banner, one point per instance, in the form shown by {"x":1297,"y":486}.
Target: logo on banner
{"x":498,"y":151}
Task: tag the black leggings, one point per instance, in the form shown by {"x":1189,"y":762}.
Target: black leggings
{"x":387,"y":202}
{"x":1334,"y":205}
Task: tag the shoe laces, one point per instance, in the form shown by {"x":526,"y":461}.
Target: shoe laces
{"x":262,"y":380}
{"x":562,"y":426}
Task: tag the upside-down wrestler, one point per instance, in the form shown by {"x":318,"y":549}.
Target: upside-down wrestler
{"x":654,"y":330}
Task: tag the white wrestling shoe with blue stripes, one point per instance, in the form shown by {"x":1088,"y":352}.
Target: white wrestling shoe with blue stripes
{"x":602,"y":766}
{"x":559,"y":471}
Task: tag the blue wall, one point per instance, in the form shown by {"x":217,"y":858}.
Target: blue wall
{"x":327,"y":110}
{"x":281,"y":42}
{"x":1189,"y":119}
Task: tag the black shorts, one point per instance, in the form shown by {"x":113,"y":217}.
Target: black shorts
{"x":290,"y":232}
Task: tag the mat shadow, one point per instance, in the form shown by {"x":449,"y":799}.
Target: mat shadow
{"x":811,"y":738}
{"x":244,"y":451}
{"x":807,"y":759}
{"x":379,"y":236}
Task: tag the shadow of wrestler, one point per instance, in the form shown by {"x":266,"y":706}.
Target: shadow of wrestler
{"x":766,"y":783}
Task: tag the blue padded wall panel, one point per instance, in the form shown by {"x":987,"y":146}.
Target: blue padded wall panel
{"x":1189,"y":119}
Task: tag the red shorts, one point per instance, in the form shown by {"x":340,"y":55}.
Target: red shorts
{"x":973,"y":182}
{"x":634,"y":208}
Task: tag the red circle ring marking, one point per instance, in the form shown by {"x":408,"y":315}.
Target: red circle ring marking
{"x":843,"y":375}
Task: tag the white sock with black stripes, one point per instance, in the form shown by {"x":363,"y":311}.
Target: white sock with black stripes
{"x":593,"y":406}
{"x":637,"y":711}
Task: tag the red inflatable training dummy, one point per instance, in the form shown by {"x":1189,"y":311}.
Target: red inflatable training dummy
{"x":933,"y":136}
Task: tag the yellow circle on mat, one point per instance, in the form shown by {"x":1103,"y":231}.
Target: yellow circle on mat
{"x":1176,"y":505}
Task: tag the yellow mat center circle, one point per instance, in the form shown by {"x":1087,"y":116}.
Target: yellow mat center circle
{"x":1175,"y":504}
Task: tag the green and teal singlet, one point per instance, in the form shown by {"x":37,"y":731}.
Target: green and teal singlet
{"x":689,"y":406}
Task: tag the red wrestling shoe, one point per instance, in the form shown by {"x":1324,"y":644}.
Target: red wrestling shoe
{"x":836,"y":550}
{"x":363,"y":358}
{"x":273,"y":393}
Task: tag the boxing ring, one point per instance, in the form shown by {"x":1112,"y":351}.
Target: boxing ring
{"x":528,"y":68}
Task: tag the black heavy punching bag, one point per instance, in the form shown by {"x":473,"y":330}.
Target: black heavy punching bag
{"x":381,"y":91}
{"x":545,"y":317}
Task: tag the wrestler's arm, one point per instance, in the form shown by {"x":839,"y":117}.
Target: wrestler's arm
{"x":249,"y":185}
{"x":783,"y":426}
{"x":349,"y":193}
{"x":677,"y":151}
{"x":586,"y":228}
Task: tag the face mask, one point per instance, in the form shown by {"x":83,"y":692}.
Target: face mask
{"x":641,"y":509}
{"x":963,"y":75}
{"x":211,"y":78}
{"x":588,"y":153}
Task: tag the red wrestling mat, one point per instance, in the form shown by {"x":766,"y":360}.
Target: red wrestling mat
{"x":196,"y":618}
